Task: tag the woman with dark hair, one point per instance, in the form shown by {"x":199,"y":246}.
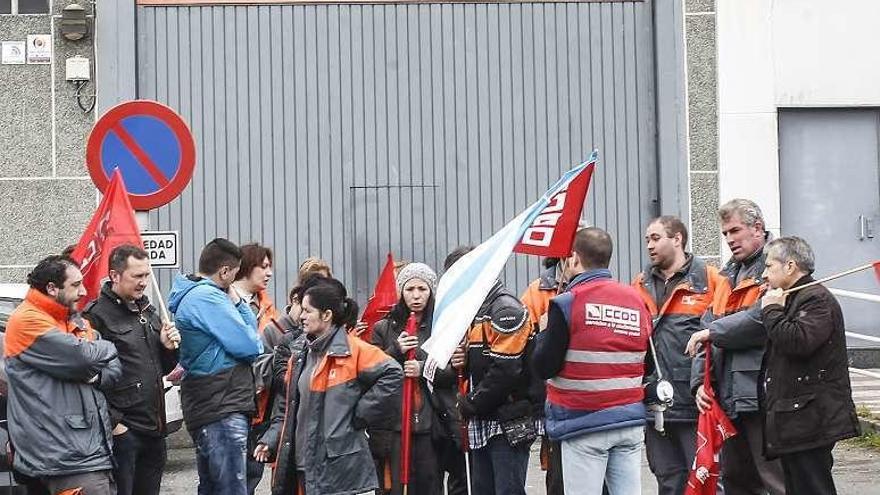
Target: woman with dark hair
{"x":337,"y":386}
{"x":416,"y":283}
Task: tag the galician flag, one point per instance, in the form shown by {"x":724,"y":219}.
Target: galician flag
{"x":464,"y":286}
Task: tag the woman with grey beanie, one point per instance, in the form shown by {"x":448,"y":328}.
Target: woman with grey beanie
{"x":416,"y":284}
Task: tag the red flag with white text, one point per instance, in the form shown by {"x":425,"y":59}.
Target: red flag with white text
{"x":383,"y":299}
{"x":112,"y":225}
{"x":552,"y":233}
{"x":713,"y":429}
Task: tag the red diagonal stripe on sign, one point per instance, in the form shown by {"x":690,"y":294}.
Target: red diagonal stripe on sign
{"x":141,"y":156}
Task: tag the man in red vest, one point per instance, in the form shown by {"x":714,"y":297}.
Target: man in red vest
{"x":593,"y":355}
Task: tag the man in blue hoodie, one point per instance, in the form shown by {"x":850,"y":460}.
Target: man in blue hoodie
{"x":219,"y":341}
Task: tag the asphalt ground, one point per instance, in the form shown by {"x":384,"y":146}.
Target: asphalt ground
{"x":855,"y":473}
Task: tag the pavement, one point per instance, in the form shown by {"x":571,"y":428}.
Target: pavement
{"x":855,"y":473}
{"x":855,"y":467}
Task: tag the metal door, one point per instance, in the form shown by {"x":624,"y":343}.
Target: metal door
{"x":345,"y":131}
{"x":830,"y":191}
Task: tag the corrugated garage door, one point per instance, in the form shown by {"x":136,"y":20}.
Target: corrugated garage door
{"x":346,"y":131}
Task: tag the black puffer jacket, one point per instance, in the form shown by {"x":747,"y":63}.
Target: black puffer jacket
{"x":807,"y":397}
{"x":138,"y":400}
{"x":496,"y":361}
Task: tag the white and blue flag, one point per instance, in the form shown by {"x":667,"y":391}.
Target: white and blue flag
{"x":464,"y":287}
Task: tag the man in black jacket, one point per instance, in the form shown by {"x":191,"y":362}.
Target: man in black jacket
{"x":123,"y":314}
{"x":804,"y":390}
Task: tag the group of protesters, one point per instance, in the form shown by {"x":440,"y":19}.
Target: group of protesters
{"x":580,"y":363}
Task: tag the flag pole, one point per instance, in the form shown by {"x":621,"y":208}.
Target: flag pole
{"x":830,"y":278}
{"x":163,"y":310}
{"x":409,"y":384}
{"x":465,"y":443}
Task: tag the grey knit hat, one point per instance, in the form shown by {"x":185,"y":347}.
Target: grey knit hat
{"x":420,"y":271}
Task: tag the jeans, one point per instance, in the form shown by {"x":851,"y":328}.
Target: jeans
{"x":221,"y":455}
{"x":612,"y":456}
{"x":140,"y":460}
{"x":499,"y":469}
{"x":254,"y":467}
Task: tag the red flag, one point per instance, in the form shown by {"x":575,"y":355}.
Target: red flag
{"x":877,"y":270}
{"x":713,"y":428}
{"x":383,"y":299}
{"x":410,"y":393}
{"x":112,"y":225}
{"x":552,"y":232}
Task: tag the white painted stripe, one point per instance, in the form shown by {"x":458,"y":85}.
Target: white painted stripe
{"x":864,"y":373}
{"x":595,"y":385}
{"x":11,"y":179}
{"x":864,"y":296}
{"x":869,"y":338}
{"x":605,"y":357}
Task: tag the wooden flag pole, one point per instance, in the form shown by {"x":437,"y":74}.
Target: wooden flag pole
{"x":830,"y":278}
{"x":163,"y":310}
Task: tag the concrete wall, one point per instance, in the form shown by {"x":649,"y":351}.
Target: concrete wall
{"x":702,"y":111}
{"x":786,"y":53}
{"x":46,"y":197}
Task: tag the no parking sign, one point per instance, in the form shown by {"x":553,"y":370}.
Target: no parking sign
{"x":152,"y":147}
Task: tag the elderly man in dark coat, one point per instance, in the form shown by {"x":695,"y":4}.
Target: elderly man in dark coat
{"x":804,"y":388}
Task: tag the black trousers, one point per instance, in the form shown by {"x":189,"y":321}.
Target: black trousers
{"x":140,"y":460}
{"x":744,"y":469}
{"x":425,"y":477}
{"x":451,"y":460}
{"x":551,"y":455}
{"x":671,"y":455}
{"x":809,"y":472}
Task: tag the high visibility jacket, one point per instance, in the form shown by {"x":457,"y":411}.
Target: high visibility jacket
{"x":599,"y":385}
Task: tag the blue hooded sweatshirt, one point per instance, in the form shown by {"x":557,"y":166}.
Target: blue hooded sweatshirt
{"x":215,"y":334}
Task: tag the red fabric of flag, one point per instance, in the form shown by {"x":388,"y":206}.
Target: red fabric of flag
{"x":383,"y":299}
{"x":713,"y":428}
{"x":877,"y":270}
{"x":112,"y":225}
{"x":552,"y":232}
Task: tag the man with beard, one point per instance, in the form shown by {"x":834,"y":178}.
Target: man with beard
{"x":677,"y":287}
{"x":57,"y":367}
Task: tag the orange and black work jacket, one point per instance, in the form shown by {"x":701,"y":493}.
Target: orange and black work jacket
{"x":267,"y":326}
{"x":674,"y":322}
{"x":57,"y":367}
{"x":496,"y":359}
{"x":737,"y":333}
{"x":264,"y":309}
{"x":349,"y":391}
{"x":537,"y":296}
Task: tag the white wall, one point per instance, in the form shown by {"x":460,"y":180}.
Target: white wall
{"x":786,"y":53}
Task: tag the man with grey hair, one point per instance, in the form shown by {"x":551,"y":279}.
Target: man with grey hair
{"x":806,"y":394}
{"x":733,"y":326}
